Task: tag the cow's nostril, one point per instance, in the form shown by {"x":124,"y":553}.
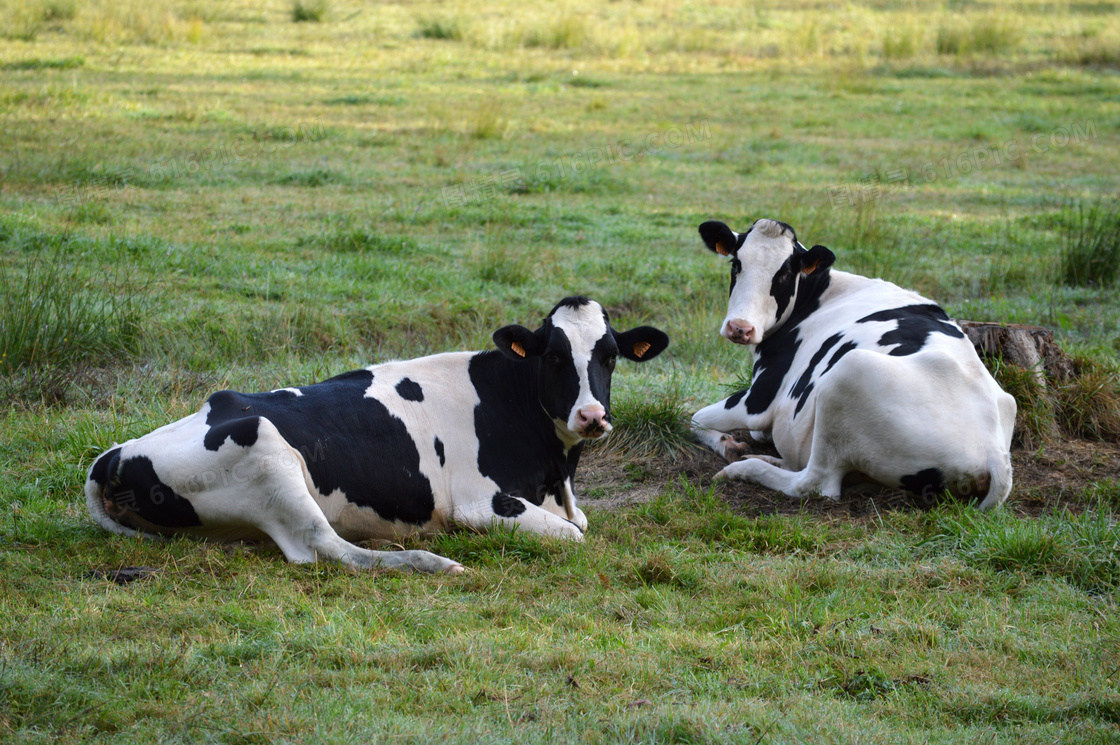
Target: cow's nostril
{"x":591,"y":421}
{"x":739,"y":331}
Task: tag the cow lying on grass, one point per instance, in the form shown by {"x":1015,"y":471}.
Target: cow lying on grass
{"x":471,"y":439}
{"x":852,"y":377}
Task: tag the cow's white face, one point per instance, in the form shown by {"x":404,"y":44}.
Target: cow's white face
{"x":576,"y":350}
{"x":583,"y":344}
{"x":767,"y":263}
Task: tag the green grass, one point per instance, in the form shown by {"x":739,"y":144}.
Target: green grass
{"x":448,"y":29}
{"x":205,"y":195}
{"x":650,"y":424}
{"x":313,"y":11}
{"x":1091,"y":245}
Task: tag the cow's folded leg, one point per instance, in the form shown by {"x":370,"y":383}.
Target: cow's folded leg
{"x":514,"y":512}
{"x":721,"y":443}
{"x":302,"y":532}
{"x":813,"y":480}
{"x":711,"y":425}
{"x":280,"y":505}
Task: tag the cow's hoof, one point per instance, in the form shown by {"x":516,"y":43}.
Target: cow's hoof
{"x":733,"y":450}
{"x":455,"y":569}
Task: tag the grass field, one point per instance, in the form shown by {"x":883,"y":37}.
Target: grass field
{"x":198,"y":195}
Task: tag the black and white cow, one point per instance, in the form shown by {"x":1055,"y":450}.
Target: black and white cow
{"x":852,"y":377}
{"x":471,"y":439}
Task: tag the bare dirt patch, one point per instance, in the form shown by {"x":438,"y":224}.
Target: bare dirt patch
{"x":1053,"y":477}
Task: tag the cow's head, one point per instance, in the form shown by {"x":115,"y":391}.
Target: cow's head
{"x":767,"y":264}
{"x":575,"y":352}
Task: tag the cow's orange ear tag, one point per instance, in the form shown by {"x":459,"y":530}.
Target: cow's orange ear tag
{"x":641,"y":348}
{"x":520,"y":350}
{"x":722,"y":249}
{"x":809,"y":268}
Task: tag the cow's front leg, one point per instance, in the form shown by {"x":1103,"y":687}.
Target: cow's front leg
{"x":514,"y":512}
{"x":712,"y":424}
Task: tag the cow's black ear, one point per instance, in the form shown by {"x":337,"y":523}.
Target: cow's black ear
{"x":518,"y":342}
{"x":641,"y":344}
{"x":720,"y":238}
{"x":813,"y":260}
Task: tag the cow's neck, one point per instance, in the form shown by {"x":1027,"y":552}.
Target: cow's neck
{"x":518,"y":445}
{"x":806,"y":300}
{"x":519,"y":385}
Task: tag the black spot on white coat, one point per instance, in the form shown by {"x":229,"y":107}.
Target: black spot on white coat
{"x":243,"y":432}
{"x":410,"y":390}
{"x":915,"y":324}
{"x":804,"y":386}
{"x":506,"y":506}
{"x":134,"y":486}
{"x":927,"y":483}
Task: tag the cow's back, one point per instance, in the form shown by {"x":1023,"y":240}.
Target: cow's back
{"x":919,"y":355}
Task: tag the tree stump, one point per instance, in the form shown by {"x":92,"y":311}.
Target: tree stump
{"x":1029,"y":347}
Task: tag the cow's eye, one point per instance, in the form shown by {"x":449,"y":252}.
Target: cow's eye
{"x":552,"y":358}
{"x":609,"y":362}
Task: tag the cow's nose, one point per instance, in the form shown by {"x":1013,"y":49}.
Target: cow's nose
{"x":591,"y":421}
{"x":738,"y":331}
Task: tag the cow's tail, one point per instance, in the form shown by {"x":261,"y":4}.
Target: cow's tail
{"x":103,"y":468}
{"x":999,"y":480}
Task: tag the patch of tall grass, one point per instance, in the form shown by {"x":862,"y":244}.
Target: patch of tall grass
{"x":1091,"y":50}
{"x":1090,"y":248}
{"x":649,"y":423}
{"x":900,"y":42}
{"x":21,"y":21}
{"x":140,"y":21}
{"x":489,"y":121}
{"x":992,"y":34}
{"x":60,"y":10}
{"x":55,"y":320}
{"x":568,"y":31}
{"x":1083,"y":549}
{"x":443,"y":28}
{"x":1035,"y":419}
{"x":309,"y":11}
{"x":1087,"y":405}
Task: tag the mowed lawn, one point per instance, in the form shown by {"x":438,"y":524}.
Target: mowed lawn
{"x":202,"y":195}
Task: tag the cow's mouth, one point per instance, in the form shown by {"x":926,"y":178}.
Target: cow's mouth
{"x":595,"y":431}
